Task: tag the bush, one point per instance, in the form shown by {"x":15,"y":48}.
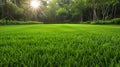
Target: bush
{"x":93,"y":22}
{"x":112,"y":21}
{"x":13,"y":22}
{"x":67,"y":21}
{"x":115,"y":21}
{"x":101,"y":22}
{"x":87,"y":22}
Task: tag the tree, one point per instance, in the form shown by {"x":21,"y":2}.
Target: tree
{"x":77,"y":8}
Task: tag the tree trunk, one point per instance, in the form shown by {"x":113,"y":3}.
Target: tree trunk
{"x":115,"y":12}
{"x":15,"y":2}
{"x":94,"y":14}
{"x":5,"y":9}
{"x":81,"y":17}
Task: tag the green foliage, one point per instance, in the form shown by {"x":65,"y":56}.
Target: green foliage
{"x":61,"y":12}
{"x":102,"y":22}
{"x":115,"y":21}
{"x":87,"y":22}
{"x":57,"y":10}
{"x":63,"y":45}
{"x":1,"y":10}
{"x":112,"y":21}
{"x":14,"y":22}
{"x":16,"y":12}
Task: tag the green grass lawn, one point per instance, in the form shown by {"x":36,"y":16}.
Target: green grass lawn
{"x":63,"y":45}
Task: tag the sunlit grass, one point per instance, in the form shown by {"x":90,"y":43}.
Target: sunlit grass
{"x":59,"y":45}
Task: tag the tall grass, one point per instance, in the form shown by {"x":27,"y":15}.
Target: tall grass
{"x":53,"y":45}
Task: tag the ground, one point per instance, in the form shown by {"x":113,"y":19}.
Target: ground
{"x":60,"y":45}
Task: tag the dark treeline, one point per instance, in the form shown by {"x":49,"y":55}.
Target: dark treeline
{"x":60,"y":11}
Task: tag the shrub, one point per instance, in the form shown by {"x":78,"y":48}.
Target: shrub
{"x":13,"y":22}
{"x":93,"y":22}
{"x":67,"y":21}
{"x":88,"y":22}
{"x":115,"y":21}
{"x":103,"y":22}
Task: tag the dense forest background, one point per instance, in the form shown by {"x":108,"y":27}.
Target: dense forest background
{"x":60,"y":11}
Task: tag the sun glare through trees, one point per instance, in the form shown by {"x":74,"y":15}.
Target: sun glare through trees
{"x":35,"y":4}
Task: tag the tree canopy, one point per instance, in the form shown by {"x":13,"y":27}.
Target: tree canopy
{"x":60,"y":10}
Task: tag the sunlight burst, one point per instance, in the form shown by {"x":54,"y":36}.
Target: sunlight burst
{"x":35,"y":4}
